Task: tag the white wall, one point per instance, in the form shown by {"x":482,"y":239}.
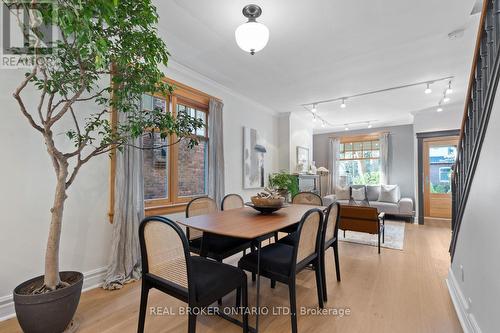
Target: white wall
{"x":284,"y":141}
{"x":431,"y":120}
{"x":27,"y":182}
{"x":239,"y":111}
{"x":301,"y":134}
{"x":477,"y":295}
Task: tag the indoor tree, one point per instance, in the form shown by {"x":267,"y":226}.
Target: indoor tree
{"x":106,"y":55}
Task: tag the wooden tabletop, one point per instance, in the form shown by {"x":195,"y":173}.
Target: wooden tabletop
{"x":247,"y":222}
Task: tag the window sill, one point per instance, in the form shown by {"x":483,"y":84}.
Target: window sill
{"x":164,"y":210}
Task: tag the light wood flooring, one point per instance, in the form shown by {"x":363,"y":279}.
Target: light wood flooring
{"x":396,"y":291}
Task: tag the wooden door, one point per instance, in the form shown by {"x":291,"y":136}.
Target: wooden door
{"x":439,"y":156}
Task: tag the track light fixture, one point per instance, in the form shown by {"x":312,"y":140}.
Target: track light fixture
{"x":446,"y":99}
{"x":314,"y":109}
{"x":343,"y":99}
{"x":449,"y":90}
{"x":440,"y":108}
{"x":370,"y":125}
{"x":428,"y":90}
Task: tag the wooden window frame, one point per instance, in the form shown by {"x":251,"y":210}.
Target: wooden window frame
{"x":360,"y":139}
{"x":184,"y":91}
{"x":195,"y":99}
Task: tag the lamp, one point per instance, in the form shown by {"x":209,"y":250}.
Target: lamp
{"x":252,"y":36}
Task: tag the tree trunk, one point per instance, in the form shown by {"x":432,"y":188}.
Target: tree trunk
{"x":51,"y":278}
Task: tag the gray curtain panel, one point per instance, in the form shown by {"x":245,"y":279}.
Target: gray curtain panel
{"x":333,"y":161}
{"x":215,"y":151}
{"x":125,"y":259}
{"x":384,"y":159}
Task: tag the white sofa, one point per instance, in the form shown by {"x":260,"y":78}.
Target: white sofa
{"x":404,"y":207}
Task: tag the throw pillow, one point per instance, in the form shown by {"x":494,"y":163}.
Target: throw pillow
{"x":342,"y":193}
{"x":358,"y":194}
{"x":372,"y":192}
{"x":389,"y":193}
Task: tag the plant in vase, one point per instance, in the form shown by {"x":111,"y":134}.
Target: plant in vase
{"x":285,"y":183}
{"x":98,"y":40}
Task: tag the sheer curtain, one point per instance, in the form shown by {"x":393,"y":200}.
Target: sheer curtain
{"x":215,"y":151}
{"x":384,"y":159}
{"x":333,"y":161}
{"x":125,"y":259}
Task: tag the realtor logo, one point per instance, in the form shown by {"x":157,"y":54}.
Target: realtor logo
{"x":27,"y":39}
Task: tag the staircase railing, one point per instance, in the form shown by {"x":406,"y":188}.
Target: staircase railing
{"x":483,"y":83}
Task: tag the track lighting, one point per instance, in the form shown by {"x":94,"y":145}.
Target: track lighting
{"x":314,"y":118}
{"x":314,"y":109}
{"x":439,"y":109}
{"x":369,"y":125}
{"x":428,"y":90}
{"x":313,"y":106}
{"x":449,"y":90}
{"x":446,"y":99}
{"x":323,"y":124}
{"x":346,"y":128}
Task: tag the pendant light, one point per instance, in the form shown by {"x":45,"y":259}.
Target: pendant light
{"x":252,"y":36}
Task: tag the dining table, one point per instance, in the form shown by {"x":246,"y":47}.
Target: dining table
{"x":250,"y":224}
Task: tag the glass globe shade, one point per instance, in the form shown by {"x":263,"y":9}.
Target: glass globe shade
{"x":252,"y":36}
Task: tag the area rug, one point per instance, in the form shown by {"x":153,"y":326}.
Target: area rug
{"x":394,"y":236}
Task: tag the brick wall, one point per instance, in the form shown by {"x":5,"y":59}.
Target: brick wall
{"x":192,"y":165}
{"x":155,"y":168}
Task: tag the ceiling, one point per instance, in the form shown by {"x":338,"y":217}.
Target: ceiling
{"x":326,"y":49}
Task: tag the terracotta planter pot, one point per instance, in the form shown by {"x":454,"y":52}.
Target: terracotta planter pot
{"x":48,"y":312}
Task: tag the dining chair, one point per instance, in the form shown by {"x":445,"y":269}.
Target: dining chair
{"x":307,"y":198}
{"x":213,"y":246}
{"x":198,"y":206}
{"x":303,"y":198}
{"x":281,"y":262}
{"x":330,"y":240}
{"x":167,"y":265}
{"x":232,"y":201}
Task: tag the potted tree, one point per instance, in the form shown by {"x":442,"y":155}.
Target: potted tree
{"x":98,"y":40}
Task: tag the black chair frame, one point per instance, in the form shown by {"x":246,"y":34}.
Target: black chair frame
{"x":330,"y":243}
{"x":187,"y":295}
{"x":295,"y":268}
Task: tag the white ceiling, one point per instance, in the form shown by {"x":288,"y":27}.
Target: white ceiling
{"x":324,"y":49}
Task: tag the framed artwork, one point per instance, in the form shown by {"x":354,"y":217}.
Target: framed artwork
{"x":302,"y":159}
{"x":253,"y":159}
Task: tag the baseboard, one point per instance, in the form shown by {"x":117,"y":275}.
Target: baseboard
{"x":467,"y":319}
{"x":91,"y":279}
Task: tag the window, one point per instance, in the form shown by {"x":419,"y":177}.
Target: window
{"x":444,"y":174}
{"x":174,"y":175}
{"x":192,"y":164}
{"x":359,"y":161}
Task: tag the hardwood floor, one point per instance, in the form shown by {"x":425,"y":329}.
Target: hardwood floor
{"x":396,"y":291}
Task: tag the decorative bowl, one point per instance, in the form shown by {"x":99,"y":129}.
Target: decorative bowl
{"x":266,"y":205}
{"x":267,"y":202}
